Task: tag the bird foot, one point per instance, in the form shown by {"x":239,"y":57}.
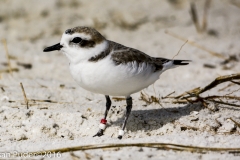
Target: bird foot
{"x":119,"y":137}
{"x":120,"y":134}
{"x":99,"y":133}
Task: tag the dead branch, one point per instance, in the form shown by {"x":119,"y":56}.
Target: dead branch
{"x":193,"y":96}
{"x":220,"y":80}
{"x":217,"y":81}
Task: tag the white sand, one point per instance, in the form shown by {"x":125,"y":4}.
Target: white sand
{"x":29,"y":26}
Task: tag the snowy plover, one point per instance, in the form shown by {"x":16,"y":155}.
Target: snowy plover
{"x":106,"y":67}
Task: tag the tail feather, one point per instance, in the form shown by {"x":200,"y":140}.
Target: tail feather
{"x":181,"y":62}
{"x":175,"y":62}
{"x":170,"y":63}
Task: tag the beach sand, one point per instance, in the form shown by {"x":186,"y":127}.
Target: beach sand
{"x":73,"y":116}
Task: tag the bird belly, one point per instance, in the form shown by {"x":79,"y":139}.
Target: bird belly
{"x":106,"y":78}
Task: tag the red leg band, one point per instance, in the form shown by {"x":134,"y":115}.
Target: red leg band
{"x":103,"y":121}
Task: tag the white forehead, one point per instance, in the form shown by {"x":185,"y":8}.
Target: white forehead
{"x":67,"y":37}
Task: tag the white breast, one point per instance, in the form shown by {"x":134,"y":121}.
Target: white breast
{"x":106,"y":78}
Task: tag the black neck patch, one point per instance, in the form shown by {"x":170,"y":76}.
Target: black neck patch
{"x":101,"y":55}
{"x":98,"y":57}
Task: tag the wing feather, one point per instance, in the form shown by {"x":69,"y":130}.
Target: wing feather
{"x":124,"y":55}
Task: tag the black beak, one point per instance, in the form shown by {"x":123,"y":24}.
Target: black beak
{"x":53,"y":48}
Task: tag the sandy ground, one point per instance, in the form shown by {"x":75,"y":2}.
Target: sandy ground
{"x":29,"y":26}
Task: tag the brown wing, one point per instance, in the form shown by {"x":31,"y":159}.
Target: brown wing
{"x":123,"y":55}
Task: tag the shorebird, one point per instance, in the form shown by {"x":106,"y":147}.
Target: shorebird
{"x":109,"y":68}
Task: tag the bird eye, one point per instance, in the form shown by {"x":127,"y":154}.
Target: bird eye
{"x":77,"y":40}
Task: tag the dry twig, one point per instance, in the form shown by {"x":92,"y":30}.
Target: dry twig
{"x":118,"y":98}
{"x":4,"y":42}
{"x":229,"y":85}
{"x":162,"y":146}
{"x":195,"y":16}
{"x":179,"y":49}
{"x":238,"y":83}
{"x":24,"y":95}
{"x":238,"y":124}
{"x":220,"y":80}
{"x":205,"y":14}
{"x":151,"y":99}
{"x":9,"y":70}
{"x":168,"y":95}
{"x":193,"y":96}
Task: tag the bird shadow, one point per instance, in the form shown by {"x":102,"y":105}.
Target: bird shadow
{"x":153,"y":119}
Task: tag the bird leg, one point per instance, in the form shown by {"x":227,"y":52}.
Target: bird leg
{"x":103,"y":121}
{"x":128,"y":111}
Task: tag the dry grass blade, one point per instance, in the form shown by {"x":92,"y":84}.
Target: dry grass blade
{"x":38,"y":100}
{"x":196,"y":45}
{"x":163,"y":146}
{"x":193,"y":91}
{"x":4,"y":42}
{"x":194,"y":16}
{"x":195,"y":19}
{"x":229,"y":85}
{"x":118,"y":99}
{"x":180,"y":49}
{"x":24,"y":95}
{"x":180,"y":102}
{"x":149,"y":100}
{"x":9,"y":70}
{"x":238,"y":124}
{"x":232,"y":92}
{"x":205,"y":14}
{"x":74,"y":157}
{"x":144,"y":97}
{"x":154,"y":99}
{"x":183,"y":128}
{"x":168,"y":95}
{"x":235,"y":3}
{"x":46,"y":100}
